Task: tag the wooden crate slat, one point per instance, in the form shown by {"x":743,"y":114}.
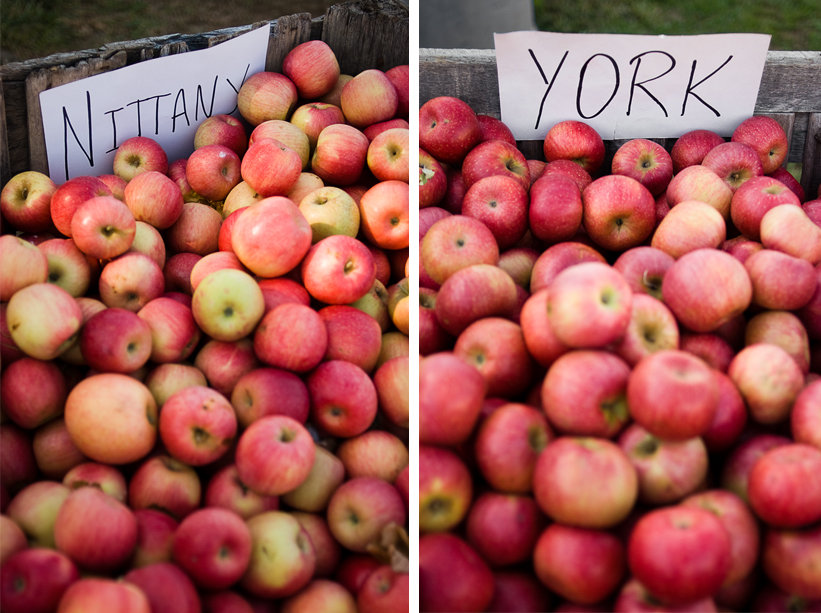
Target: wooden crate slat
{"x":467,"y":74}
{"x":5,"y":162}
{"x":40,"y":81}
{"x":791,"y":83}
{"x":286,"y":33}
{"x":14,"y":98}
{"x":811,"y":167}
{"x":367,"y":34}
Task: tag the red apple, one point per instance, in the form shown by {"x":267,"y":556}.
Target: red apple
{"x":504,"y":528}
{"x":266,"y":95}
{"x":555,"y":213}
{"x":448,"y":129}
{"x":452,"y":576}
{"x":340,"y":155}
{"x":165,"y":484}
{"x":99,"y":595}
{"x":619,"y":212}
{"x":691,"y":147}
{"x":137,"y":155}
{"x":369,"y":98}
{"x":766,"y":136}
{"x":445,"y":489}
{"x":25,"y":201}
{"x":735,"y":163}
{"x":575,"y":141}
{"x":700,"y":183}
{"x":646,"y":161}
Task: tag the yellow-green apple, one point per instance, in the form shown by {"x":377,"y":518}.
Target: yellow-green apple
{"x":155,"y":199}
{"x":195,"y":231}
{"x":131,"y":281}
{"x":326,"y":475}
{"x":281,"y":290}
{"x":673,"y":394}
{"x":784,"y":329}
{"x":496,"y":348}
{"x":337,"y":270}
{"x":167,"y":587}
{"x":165,"y":379}
{"x":197,"y":425}
{"x":269,"y":391}
{"x":368,"y":98}
{"x":137,"y":155}
{"x":492,"y":158}
{"x":43,"y":320}
{"x":736,"y":470}
{"x":788,"y":228}
{"x":226,"y":490}
{"x":452,"y":576}
{"x":241,"y":196}
{"x":400,"y":77}
{"x":213,"y":546}
{"x":494,"y":129}
{"x":343,"y":398}
{"x":116,"y":340}
{"x":706,"y":288}
{"x":24,"y":264}
{"x":388,"y":155}
{"x":102,"y":476}
{"x":575,"y":141}
{"x":447,"y":417}
{"x":95,"y":530}
{"x":507,"y":444}
{"x":455,"y":242}
{"x":68,"y":267}
{"x":618,"y":212}
{"x":504,"y":528}
{"x":693,"y":536}
{"x":448,"y":129}
{"x":652,"y":328}
{"x":12,"y":538}
{"x":291,"y":336}
{"x":788,"y":559}
{"x":586,"y":482}
{"x":70,"y":195}
{"x":213,"y":171}
{"x":227,"y":305}
{"x":385,"y":214}
{"x":25,"y":201}
{"x":177,"y":272}
{"x":501,"y":203}
{"x":766,"y":136}
{"x":375,"y":304}
{"x":667,"y":470}
{"x":594,"y":384}
{"x":787,"y":178}
{"x":644,"y":268}
{"x":291,"y":569}
{"x":741,"y":525}
{"x":222,"y":130}
{"x":149,"y":242}
{"x":213,"y":262}
{"x":313,"y":68}
{"x":318,"y":595}
{"x":555,"y":213}
{"x":474,"y":292}
{"x":352,"y":335}
{"x":271,"y":237}
{"x":755,"y":198}
{"x":376,"y":453}
{"x":690,"y":225}
{"x":691,"y":147}
{"x":540,"y":339}
{"x":433,"y":182}
{"x":780,"y":281}
{"x":98,"y":595}
{"x":781,"y":488}
{"x":562,"y":562}
{"x":274,"y":455}
{"x":223,"y":363}
{"x":34,"y":509}
{"x":330,"y":211}
{"x":155,"y":535}
{"x":288,"y":135}
{"x":340,"y":155}
{"x":165,"y":484}
{"x":730,"y":419}
{"x":805,"y":416}
{"x":359,"y":510}
{"x":314,"y":117}
{"x":266,"y":95}
{"x":589,"y":305}
{"x":392,"y":384}
{"x":700,"y":183}
{"x":54,"y":451}
{"x":34,"y":580}
{"x":124,"y":434}
{"x":735,"y":163}
{"x":646,"y":161}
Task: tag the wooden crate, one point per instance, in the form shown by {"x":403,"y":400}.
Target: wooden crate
{"x":363,"y":34}
{"x":790,"y":92}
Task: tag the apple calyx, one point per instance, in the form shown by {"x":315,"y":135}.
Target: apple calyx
{"x":392,"y":548}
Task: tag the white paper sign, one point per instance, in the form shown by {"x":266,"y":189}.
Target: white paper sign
{"x":164,"y":99}
{"x":628,"y":86}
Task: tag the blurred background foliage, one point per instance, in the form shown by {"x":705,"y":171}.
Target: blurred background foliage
{"x":795,"y":25}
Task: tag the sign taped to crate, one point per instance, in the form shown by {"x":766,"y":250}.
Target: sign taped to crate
{"x":165,"y":99}
{"x":628,"y":86}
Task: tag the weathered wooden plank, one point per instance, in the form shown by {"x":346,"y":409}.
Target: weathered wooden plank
{"x":368,"y":34}
{"x":40,"y":81}
{"x":811,"y":166}
{"x":5,"y":162}
{"x":286,"y":33}
{"x":14,"y":97}
{"x":791,"y":83}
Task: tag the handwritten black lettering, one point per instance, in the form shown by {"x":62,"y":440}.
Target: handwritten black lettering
{"x":691,"y":87}
{"x":581,"y":86}
{"x":546,"y":82}
{"x":200,"y":100}
{"x":68,"y":126}
{"x":236,"y":89}
{"x":114,"y":143}
{"x":184,"y":113}
{"x":156,"y":112}
{"x":640,"y":84}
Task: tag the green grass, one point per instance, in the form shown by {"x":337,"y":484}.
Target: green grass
{"x":795,"y":25}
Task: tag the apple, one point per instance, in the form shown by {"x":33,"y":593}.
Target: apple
{"x":445,"y":489}
{"x":805,"y":415}
{"x":454,"y":243}
{"x":766,"y":136}
{"x":223,"y":363}
{"x":735,"y":163}
{"x":690,"y":225}
{"x":105,"y":477}
{"x":787,"y":178}
{"x":137,"y":155}
{"x":359,"y":510}
{"x":495,"y":129}
{"x":384,"y":590}
{"x":518,"y":591}
{"x":305,"y":184}
{"x":269,"y":391}
{"x":392,"y":384}
{"x":116,"y":340}
{"x":433,"y":182}
{"x":313,"y":494}
{"x":34,"y":580}
{"x":781,"y":490}
{"x":452,"y":576}
{"x":575,"y":141}
{"x":266,"y":95}
{"x":447,"y":416}
{"x":98,"y":595}
{"x":555,"y":213}
{"x":338,"y":270}
{"x":165,"y":379}
{"x":25,"y":201}
{"x":448,"y":129}
{"x":34,"y":509}
{"x":768,"y":379}
{"x":227,"y":305}
{"x":368,"y":98}
{"x":539,"y":337}
{"x":569,"y":169}
{"x":68,"y":267}
{"x":213,"y":262}
{"x":330,"y":211}
{"x":166,"y":586}
{"x":12,"y":539}
{"x":155,"y":199}
{"x":501,"y":203}
{"x":340,"y":155}
{"x":343,"y":398}
{"x":652,"y":328}
{"x":730,"y":419}
{"x":618,"y":212}
{"x":474,"y":292}
{"x":711,"y":348}
{"x":318,"y":595}
{"x":691,"y":147}
{"x":698,"y":182}
{"x":269,"y":167}
{"x":43,"y":320}
{"x":314,"y":117}
{"x":165,"y":484}
{"x":32,"y":392}
{"x":755,"y":198}
{"x":149,"y":242}
{"x":646,"y":161}
{"x":24,"y":264}
{"x":556,"y":258}
{"x":768,"y":270}
{"x":784,"y":329}
{"x":54,"y":451}
{"x":16,"y":459}
{"x":177,"y":272}
{"x":492,"y":158}
{"x":788,"y":228}
{"x":222,"y":130}
{"x":788,"y":559}
{"x":131,"y":281}
{"x":504,"y":528}
{"x":388,"y":155}
{"x":385,"y":214}
{"x":213,"y":171}
{"x":70,"y":195}
{"x":291,"y":336}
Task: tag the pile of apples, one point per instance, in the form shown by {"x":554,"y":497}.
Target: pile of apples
{"x":205,"y":363}
{"x":620,"y":404}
